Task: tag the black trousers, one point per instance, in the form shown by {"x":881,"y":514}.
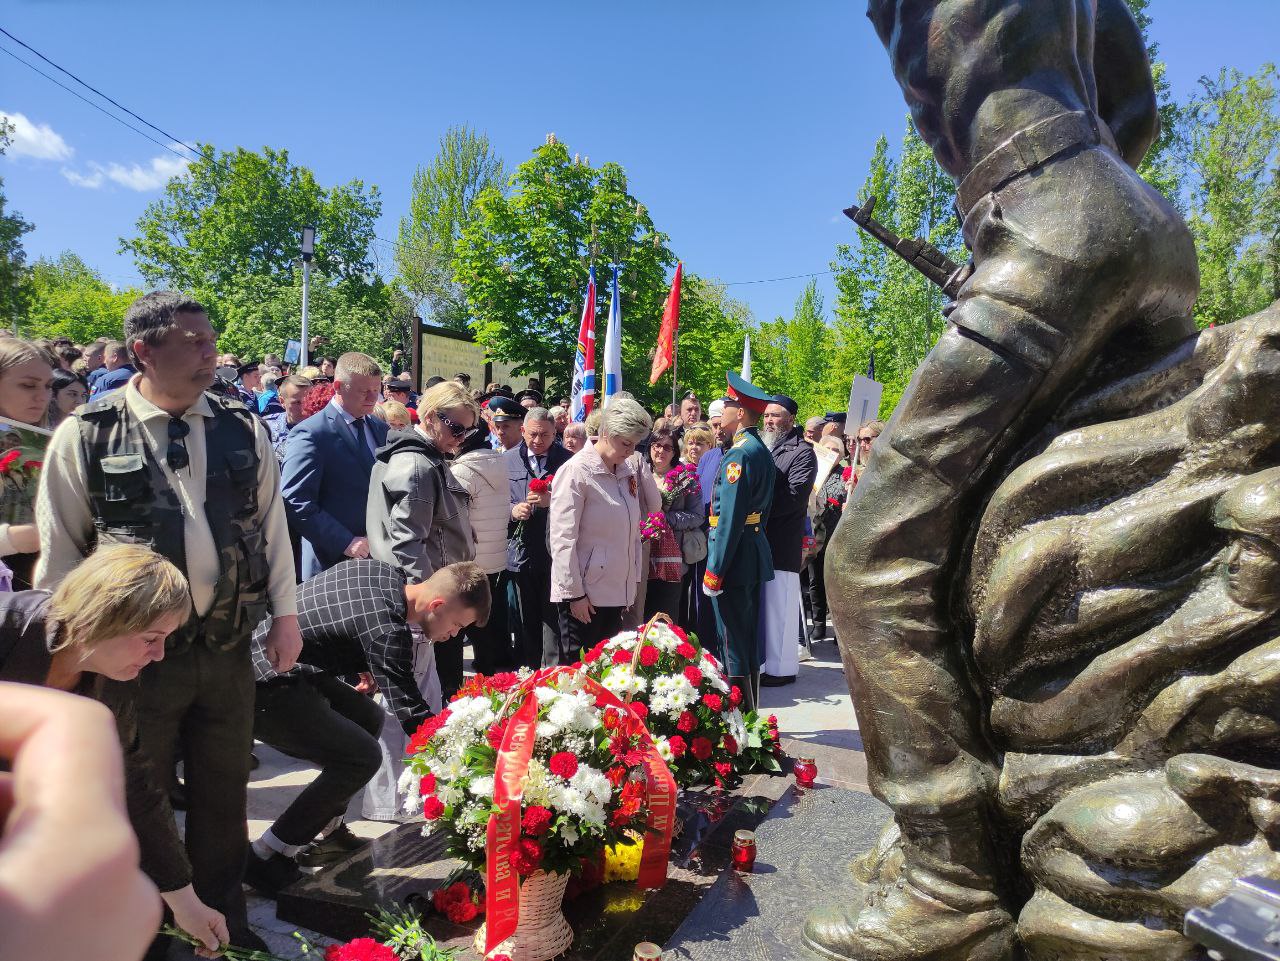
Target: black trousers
{"x":816,"y":590}
{"x":699,"y":613}
{"x":491,"y":644}
{"x":204,"y":700}
{"x":449,"y":658}
{"x":606,"y":622}
{"x":539,"y":619}
{"x":663,"y":597}
{"x":317,"y":718}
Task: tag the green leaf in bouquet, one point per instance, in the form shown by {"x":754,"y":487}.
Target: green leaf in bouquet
{"x":481,"y":754}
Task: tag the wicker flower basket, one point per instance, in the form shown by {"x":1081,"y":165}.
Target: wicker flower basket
{"x":543,"y":932}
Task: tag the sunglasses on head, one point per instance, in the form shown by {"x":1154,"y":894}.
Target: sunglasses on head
{"x":176,"y":456}
{"x":456,"y":429}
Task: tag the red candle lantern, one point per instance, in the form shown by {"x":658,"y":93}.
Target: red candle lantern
{"x":806,"y":771}
{"x":744,"y":851}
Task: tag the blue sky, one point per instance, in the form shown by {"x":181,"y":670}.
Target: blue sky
{"x":745,"y":127}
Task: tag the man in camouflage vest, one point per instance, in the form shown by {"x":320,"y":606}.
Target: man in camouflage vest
{"x":165,"y":463}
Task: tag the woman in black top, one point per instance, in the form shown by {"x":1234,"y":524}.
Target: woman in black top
{"x":108,"y":620}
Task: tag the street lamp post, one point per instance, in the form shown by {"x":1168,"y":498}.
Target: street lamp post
{"x":308,"y":251}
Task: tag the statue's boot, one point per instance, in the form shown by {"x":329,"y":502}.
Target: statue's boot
{"x":932,"y":898}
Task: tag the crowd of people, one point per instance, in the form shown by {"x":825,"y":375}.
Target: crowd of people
{"x":223,"y":551}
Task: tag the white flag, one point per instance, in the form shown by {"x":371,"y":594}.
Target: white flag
{"x":613,"y":345}
{"x":746,"y":360}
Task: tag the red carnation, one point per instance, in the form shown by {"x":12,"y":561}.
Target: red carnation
{"x":427,"y":785}
{"x":713,"y":701}
{"x":621,"y":656}
{"x":730,"y":744}
{"x":639,"y":710}
{"x":361,"y":949}
{"x":504,"y":681}
{"x":462,"y":911}
{"x":723,"y":768}
{"x":735,"y":695}
{"x":426,"y":730}
{"x":846,"y":474}
{"x":432,"y":807}
{"x":701,"y":748}
{"x":563,"y":763}
{"x":677,"y":745}
{"x":687,"y":722}
{"x":710,"y":659}
{"x":496,"y":733}
{"x":536,"y":821}
{"x":693,"y":674}
{"x":526,"y":857}
{"x":687,"y":651}
{"x":7,"y":460}
{"x":593,"y":655}
{"x":649,"y":655}
{"x":679,"y":632}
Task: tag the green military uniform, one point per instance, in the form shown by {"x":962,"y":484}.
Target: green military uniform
{"x":738,"y":555}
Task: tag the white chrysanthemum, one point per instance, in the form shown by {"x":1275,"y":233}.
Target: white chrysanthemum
{"x":592,"y":783}
{"x":664,"y":749}
{"x":545,"y":694}
{"x":409,"y":781}
{"x":717,"y":680}
{"x":569,"y":833}
{"x":664,"y":684}
{"x":481,"y":786}
{"x":572,"y":711}
{"x":545,"y":730}
{"x":737,"y":725}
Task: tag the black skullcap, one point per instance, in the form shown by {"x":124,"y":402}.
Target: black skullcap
{"x":786,"y":403}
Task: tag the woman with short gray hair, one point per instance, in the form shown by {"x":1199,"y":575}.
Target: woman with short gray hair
{"x":595,"y":531}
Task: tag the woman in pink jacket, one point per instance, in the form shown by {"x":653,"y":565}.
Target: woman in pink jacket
{"x":595,"y":531}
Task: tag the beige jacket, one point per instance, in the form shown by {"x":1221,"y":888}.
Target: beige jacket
{"x":595,"y":531}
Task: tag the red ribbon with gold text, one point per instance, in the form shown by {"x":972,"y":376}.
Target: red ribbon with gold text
{"x":502,"y":894}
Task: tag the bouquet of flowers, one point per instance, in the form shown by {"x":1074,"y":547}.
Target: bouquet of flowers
{"x":690,"y":709}
{"x":20,"y":463}
{"x":651,"y":527}
{"x":583,"y":789}
{"x":537,"y":485}
{"x":680,"y":480}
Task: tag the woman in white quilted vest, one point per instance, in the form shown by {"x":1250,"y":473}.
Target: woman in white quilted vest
{"x":482,"y":472}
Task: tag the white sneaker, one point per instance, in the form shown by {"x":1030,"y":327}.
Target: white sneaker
{"x":805,"y":654}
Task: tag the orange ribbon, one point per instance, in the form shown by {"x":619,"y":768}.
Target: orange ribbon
{"x":502,"y":887}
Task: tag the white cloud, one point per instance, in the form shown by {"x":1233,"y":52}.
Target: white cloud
{"x":142,"y":178}
{"x":36,"y":140}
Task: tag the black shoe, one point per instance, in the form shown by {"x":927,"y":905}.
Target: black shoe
{"x":254,"y":763}
{"x":178,"y":796}
{"x":338,"y":846}
{"x":769,"y":680}
{"x":271,"y":875}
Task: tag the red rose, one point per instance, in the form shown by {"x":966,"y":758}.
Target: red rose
{"x":427,"y":785}
{"x":735,"y":695}
{"x":693,"y":675}
{"x":432,"y":807}
{"x":687,"y":651}
{"x":649,"y":655}
{"x":536,"y":821}
{"x":361,"y":949}
{"x":564,"y":763}
{"x":526,"y":857}
{"x":723,"y":768}
{"x":701,"y":748}
{"x":639,"y":710}
{"x":730,"y":744}
{"x":7,"y":460}
{"x":621,"y":656}
{"x":677,"y":745}
{"x":687,"y":722}
{"x":713,"y":701}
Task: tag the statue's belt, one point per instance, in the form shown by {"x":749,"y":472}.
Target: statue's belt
{"x":752,"y":519}
{"x":1028,"y":149}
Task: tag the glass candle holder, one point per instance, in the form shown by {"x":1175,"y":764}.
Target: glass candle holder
{"x":744,"y":851}
{"x":647,"y":951}
{"x":806,"y":771}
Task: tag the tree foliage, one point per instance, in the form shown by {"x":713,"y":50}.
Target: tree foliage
{"x":69,"y":299}
{"x":240,"y":213}
{"x":522,"y":262}
{"x":14,"y":280}
{"x":793,"y":355}
{"x":883,"y":305}
{"x":441,"y":205}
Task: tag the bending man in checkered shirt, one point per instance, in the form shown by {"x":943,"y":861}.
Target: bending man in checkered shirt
{"x":355,"y":619}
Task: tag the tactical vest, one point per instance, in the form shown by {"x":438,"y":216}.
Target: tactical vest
{"x":132,"y":503}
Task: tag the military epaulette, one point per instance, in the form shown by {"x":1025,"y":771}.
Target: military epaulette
{"x":713,"y":582}
{"x":739,"y":443}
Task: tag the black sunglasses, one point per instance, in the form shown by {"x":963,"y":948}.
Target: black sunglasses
{"x":176,"y":456}
{"x":456,"y":429}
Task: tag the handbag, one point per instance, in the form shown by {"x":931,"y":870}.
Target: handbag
{"x":693,"y":545}
{"x":664,"y":558}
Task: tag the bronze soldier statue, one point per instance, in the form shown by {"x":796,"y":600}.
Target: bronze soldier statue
{"x":1040,"y":111}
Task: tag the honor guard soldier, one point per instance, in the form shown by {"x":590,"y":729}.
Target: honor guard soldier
{"x":738,"y":556}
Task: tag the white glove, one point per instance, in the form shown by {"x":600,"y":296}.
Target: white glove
{"x":709,"y":592}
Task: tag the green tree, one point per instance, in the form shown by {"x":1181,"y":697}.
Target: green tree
{"x":794,"y":353}
{"x":522,"y":264}
{"x":440,"y":207}
{"x":1232,"y":144}
{"x":1162,"y":166}
{"x":240,"y":213}
{"x":261,"y":313}
{"x":69,"y":299}
{"x":883,"y":305}
{"x":14,"y":280}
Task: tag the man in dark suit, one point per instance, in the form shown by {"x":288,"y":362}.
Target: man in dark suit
{"x":528,"y":556}
{"x":327,"y":462}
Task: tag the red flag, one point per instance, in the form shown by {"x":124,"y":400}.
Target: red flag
{"x":667,"y":334}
